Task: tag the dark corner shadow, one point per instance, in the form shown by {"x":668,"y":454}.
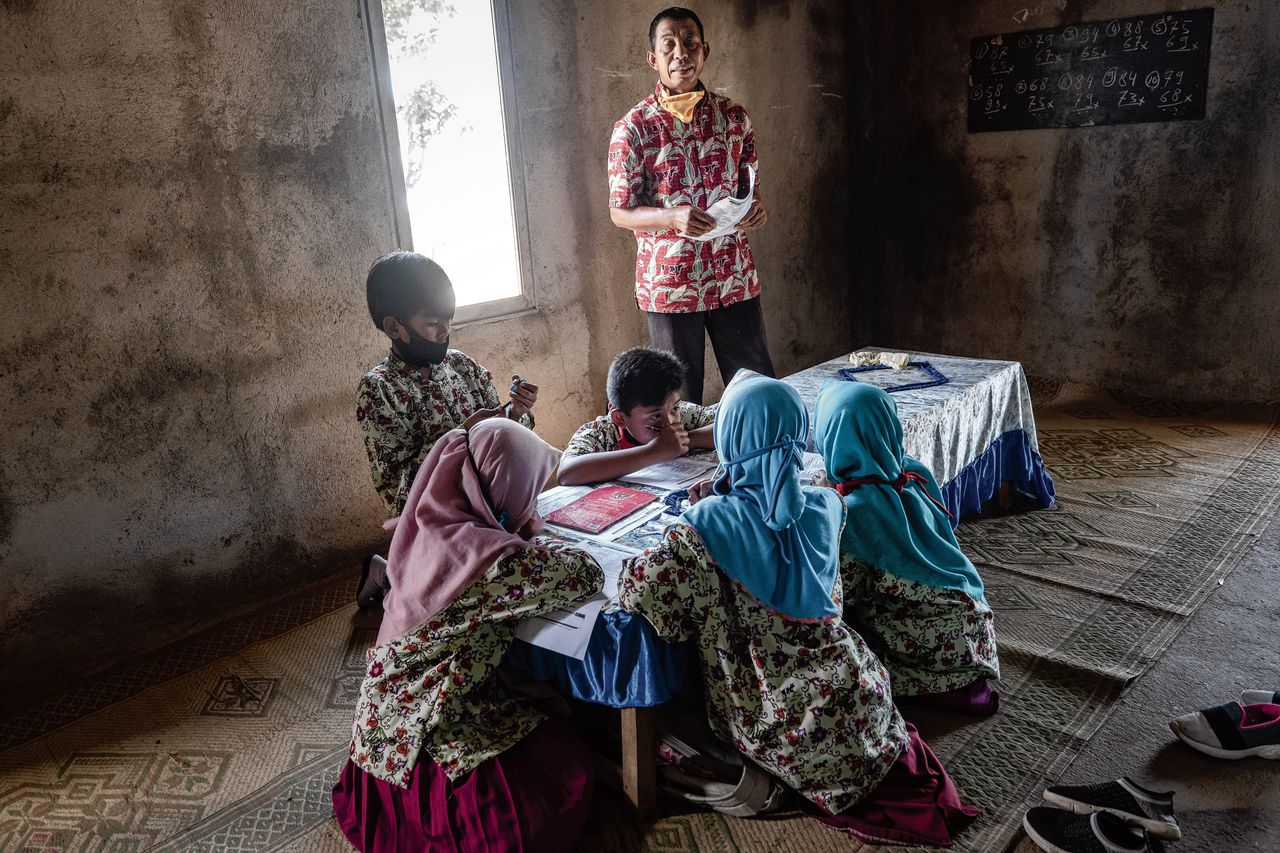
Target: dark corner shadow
{"x":1176,"y":760}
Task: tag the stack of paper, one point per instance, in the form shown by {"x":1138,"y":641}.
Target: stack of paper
{"x":675,"y":474}
{"x":569,"y":631}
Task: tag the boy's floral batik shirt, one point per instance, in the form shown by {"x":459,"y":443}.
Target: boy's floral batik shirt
{"x":657,"y":160}
{"x":806,"y":699}
{"x":403,"y":413}
{"x":434,"y":691}
{"x":602,"y":434}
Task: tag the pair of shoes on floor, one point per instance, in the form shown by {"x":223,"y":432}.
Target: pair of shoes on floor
{"x":1119,"y":816}
{"x":1244,"y":729}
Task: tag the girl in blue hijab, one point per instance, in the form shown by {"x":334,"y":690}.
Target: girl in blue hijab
{"x":751,"y":575}
{"x":909,"y":588}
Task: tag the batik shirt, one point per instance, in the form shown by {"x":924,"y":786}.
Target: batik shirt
{"x":931,"y":640}
{"x":403,"y":413}
{"x":434,"y":692}
{"x":657,"y":160}
{"x":602,"y":435}
{"x":806,"y":699}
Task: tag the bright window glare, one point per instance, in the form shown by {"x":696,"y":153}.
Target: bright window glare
{"x":444,"y":76}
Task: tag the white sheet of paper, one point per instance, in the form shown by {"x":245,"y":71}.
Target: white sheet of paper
{"x":673,"y":474}
{"x":565,"y":631}
{"x":631,"y":522}
{"x":728,"y":212}
{"x":552,"y":499}
{"x":813,"y":466}
{"x":569,"y":631}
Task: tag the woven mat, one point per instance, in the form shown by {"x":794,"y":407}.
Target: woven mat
{"x":231,"y":740}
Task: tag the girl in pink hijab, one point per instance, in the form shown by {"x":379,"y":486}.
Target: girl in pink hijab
{"x":442,"y":756}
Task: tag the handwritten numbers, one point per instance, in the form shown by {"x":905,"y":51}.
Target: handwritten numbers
{"x":1141,"y":68}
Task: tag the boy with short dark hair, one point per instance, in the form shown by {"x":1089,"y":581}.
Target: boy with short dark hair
{"x":422,"y":389}
{"x":647,"y":422}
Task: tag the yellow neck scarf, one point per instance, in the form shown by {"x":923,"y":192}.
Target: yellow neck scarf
{"x":681,"y":106}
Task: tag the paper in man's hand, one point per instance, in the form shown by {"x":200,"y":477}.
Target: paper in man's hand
{"x":728,"y":212}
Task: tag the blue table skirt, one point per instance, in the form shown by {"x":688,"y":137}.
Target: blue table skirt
{"x":1010,"y":458}
{"x":627,"y":666}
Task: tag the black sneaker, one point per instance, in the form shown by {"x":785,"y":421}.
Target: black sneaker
{"x":1123,"y":798}
{"x":1058,"y":831}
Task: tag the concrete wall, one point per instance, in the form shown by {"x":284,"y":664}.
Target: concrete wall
{"x":191,"y":193}
{"x":1141,"y":256}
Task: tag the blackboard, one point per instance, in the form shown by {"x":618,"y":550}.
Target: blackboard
{"x":1125,"y":70}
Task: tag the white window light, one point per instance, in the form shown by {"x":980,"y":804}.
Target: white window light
{"x":452,"y":144}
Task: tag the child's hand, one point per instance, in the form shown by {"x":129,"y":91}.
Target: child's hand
{"x":672,"y":441}
{"x":482,"y":414}
{"x":522,"y":395}
{"x":699,"y":490}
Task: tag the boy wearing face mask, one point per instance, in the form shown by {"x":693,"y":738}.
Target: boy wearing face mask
{"x":422,"y":389}
{"x":647,"y":421}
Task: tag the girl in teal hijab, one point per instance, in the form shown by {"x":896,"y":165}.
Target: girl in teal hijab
{"x":776,"y":537}
{"x":908,"y":587}
{"x":751,"y":574}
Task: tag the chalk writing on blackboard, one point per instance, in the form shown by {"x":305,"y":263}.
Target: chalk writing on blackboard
{"x":1148,"y":68}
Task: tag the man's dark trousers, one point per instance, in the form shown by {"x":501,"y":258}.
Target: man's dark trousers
{"x":737,"y":339}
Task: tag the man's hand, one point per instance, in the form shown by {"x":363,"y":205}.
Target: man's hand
{"x":699,"y":490}
{"x":523,"y":395}
{"x":672,"y":441}
{"x":482,"y":414}
{"x":690,"y":221}
{"x":755,"y":218}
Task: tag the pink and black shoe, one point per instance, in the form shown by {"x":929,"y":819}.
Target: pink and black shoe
{"x":1232,"y":730}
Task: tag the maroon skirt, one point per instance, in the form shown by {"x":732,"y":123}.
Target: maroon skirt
{"x":532,"y":798}
{"x":916,"y":804}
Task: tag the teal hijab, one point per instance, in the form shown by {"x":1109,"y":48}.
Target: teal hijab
{"x":898,"y":527}
{"x":777,"y":538}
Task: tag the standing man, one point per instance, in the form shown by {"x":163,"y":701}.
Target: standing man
{"x":671,"y":157}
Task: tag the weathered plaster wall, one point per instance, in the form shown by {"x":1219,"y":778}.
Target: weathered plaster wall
{"x":580,"y":67}
{"x":191,"y":193}
{"x":1139,"y":256}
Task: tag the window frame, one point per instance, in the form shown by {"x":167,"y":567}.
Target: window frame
{"x":482,"y":312}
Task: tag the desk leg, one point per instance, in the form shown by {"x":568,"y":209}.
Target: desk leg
{"x":639,"y":759}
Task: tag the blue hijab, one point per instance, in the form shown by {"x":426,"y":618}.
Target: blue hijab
{"x":779,"y":539}
{"x":901,"y":529}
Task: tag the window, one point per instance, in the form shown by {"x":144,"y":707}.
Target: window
{"x":446,"y":99}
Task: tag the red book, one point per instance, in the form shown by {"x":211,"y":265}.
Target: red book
{"x":600,"y":508}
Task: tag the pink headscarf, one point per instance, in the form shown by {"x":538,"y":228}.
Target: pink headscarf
{"x":450,"y":531}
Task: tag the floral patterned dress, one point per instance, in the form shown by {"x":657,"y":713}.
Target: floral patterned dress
{"x":806,"y":699}
{"x":931,"y":640}
{"x":434,"y":691}
{"x":403,"y":411}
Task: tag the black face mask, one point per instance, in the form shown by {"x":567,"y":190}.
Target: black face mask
{"x":421,"y":352}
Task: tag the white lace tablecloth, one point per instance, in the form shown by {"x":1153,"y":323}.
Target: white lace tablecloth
{"x":946,"y":426}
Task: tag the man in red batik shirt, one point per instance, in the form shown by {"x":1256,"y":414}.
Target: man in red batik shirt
{"x":671,"y":157}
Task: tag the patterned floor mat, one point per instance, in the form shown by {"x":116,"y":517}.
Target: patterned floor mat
{"x":231,"y":740}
